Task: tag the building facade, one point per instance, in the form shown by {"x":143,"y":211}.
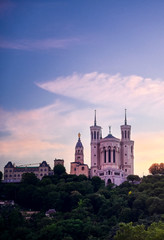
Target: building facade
{"x":78,"y":167}
{"x":14,"y":173}
{"x":112,"y":159}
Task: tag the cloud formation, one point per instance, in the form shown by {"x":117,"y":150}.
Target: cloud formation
{"x":105,"y":90}
{"x":51,"y":132}
{"x":43,"y":44}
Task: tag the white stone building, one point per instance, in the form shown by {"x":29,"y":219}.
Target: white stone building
{"x":112,"y":159}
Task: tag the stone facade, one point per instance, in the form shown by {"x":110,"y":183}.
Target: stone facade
{"x":14,"y":173}
{"x":58,"y":161}
{"x":111,"y":158}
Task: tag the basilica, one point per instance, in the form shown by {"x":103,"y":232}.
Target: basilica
{"x":112,"y":159}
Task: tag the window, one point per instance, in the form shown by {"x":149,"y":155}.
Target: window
{"x":45,"y":169}
{"x":18,"y":175}
{"x":94,"y":170}
{"x":94,"y":134}
{"x":131,"y":149}
{"x":109,"y":172}
{"x":41,"y":174}
{"x":10,"y":170}
{"x":94,"y":163}
{"x":101,"y":174}
{"x":117,"y":173}
{"x":109,"y":155}
{"x":97,"y":135}
{"x":114,"y":156}
{"x":104,"y":156}
{"x":6,"y":176}
{"x":82,"y":168}
{"x":125,"y":134}
{"x":122,"y":134}
{"x":74,"y":169}
{"x":6,"y":170}
{"x":94,"y":146}
{"x":94,"y":155}
{"x":14,"y":175}
{"x":41,"y":170}
{"x":10,"y":175}
{"x":128,"y":134}
{"x":125,"y":170}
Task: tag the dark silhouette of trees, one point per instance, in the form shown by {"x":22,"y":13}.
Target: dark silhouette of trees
{"x":59,"y":170}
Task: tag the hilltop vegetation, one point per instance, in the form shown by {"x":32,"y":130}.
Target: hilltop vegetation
{"x":85,"y":209}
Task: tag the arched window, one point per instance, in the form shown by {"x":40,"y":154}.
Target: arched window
{"x":128,"y":134}
{"x":109,"y":155}
{"x":122,"y":134}
{"x":114,"y":155}
{"x":94,"y":134}
{"x":97,"y":135}
{"x":125,"y":134}
{"x":104,"y":155}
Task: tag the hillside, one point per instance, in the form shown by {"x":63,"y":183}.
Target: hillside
{"x":85,"y":209}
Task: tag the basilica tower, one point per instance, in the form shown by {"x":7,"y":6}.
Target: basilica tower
{"x":96,"y":135}
{"x":127,"y":149}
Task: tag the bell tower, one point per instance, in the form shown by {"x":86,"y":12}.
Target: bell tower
{"x":127,"y":148}
{"x":96,"y":135}
{"x":79,"y":156}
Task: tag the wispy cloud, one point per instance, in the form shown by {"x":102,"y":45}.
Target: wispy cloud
{"x":43,"y":44}
{"x":107,"y":90}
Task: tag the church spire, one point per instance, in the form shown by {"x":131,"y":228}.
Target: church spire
{"x":125,"y":117}
{"x":95,"y":119}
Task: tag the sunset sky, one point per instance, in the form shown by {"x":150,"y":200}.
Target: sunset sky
{"x":62,"y":59}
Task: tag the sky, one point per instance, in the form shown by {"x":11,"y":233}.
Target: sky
{"x":62,"y":59}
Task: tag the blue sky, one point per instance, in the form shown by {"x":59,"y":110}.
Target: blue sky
{"x":60,"y":60}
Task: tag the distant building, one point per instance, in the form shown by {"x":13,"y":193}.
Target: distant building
{"x":78,"y":167}
{"x":58,"y":161}
{"x":112,"y":159}
{"x":14,"y":173}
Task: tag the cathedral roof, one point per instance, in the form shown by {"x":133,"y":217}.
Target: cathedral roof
{"x":79,"y":144}
{"x":110,"y":136}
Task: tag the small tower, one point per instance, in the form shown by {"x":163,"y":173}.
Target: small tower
{"x":127,"y":148}
{"x":79,"y":156}
{"x":78,"y":167}
{"x":96,"y":135}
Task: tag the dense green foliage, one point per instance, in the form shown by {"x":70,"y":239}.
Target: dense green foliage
{"x":85,"y":209}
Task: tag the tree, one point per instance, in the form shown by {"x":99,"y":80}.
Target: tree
{"x":132,"y":178}
{"x":29,"y":178}
{"x":1,"y":175}
{"x":129,"y":232}
{"x":97,"y":183}
{"x":59,"y":170}
{"x":156,"y":168}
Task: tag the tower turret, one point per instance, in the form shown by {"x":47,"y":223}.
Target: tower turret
{"x":79,"y":156}
{"x":96,"y":135}
{"x":127,"y":148}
